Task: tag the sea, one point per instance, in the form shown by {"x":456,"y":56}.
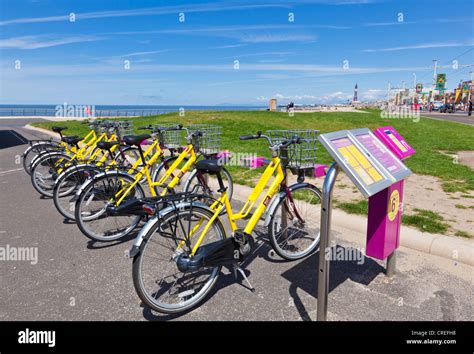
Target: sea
{"x":49,"y":110}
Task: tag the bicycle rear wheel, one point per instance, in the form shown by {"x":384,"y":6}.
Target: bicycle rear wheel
{"x":45,"y":171}
{"x":158,"y":281}
{"x":35,"y":150}
{"x":296,"y":235}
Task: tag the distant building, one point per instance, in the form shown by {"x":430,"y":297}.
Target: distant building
{"x":272,"y":105}
{"x":355,"y":94}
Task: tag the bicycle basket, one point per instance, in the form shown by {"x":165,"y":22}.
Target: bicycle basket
{"x":124,"y":127}
{"x":99,"y":128}
{"x":170,"y":139}
{"x":297,"y":156}
{"x":209,"y":140}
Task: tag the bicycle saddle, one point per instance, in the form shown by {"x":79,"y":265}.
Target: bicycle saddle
{"x":72,"y":140}
{"x":58,"y":129}
{"x":106,"y":145}
{"x":209,"y":166}
{"x":135,"y":139}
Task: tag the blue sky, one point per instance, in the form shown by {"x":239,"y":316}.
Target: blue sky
{"x":317,"y":58}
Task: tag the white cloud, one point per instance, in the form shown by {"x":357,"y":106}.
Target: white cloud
{"x":186,"y":8}
{"x":333,"y":97}
{"x":143,"y":53}
{"x":162,"y":10}
{"x":272,"y":54}
{"x":421,"y":46}
{"x":373,"y":94}
{"x":229,"y":46}
{"x":430,"y":20}
{"x":35,"y":42}
{"x":274,"y":38}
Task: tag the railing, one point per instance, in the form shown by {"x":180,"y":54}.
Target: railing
{"x":50,"y":112}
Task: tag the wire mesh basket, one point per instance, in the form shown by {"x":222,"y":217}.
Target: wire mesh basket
{"x":99,"y":127}
{"x":124,"y":127}
{"x":169,"y":139}
{"x":206,"y":138}
{"x":297,"y":156}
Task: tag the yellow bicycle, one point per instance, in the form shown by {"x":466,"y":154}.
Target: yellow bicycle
{"x":39,"y":147}
{"x":49,"y":165}
{"x":102,"y":203}
{"x":178,"y":254}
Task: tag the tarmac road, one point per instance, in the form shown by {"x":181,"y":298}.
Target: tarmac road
{"x":76,"y":279}
{"x":460,"y":117}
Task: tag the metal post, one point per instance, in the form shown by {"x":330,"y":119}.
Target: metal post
{"x":323,"y":274}
{"x":284,"y":215}
{"x":391,"y":264}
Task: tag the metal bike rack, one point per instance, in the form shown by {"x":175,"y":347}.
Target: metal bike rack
{"x":326,"y":211}
{"x":323,"y":273}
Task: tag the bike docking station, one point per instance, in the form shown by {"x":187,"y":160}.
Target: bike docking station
{"x":372,"y":161}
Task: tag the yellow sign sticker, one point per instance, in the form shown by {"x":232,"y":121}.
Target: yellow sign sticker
{"x":398,"y":143}
{"x":393,"y":205}
{"x":360,"y":164}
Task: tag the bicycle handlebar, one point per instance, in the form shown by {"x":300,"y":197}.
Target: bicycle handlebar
{"x":294,"y":140}
{"x":250,"y":137}
{"x":161,"y":129}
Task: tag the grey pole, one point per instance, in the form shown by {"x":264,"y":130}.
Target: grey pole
{"x":323,"y":274}
{"x":391,"y":264}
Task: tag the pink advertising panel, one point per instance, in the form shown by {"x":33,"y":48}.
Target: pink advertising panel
{"x":394,"y":141}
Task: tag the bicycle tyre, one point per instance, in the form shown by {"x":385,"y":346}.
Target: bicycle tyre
{"x":138,"y":261}
{"x":315,"y":217}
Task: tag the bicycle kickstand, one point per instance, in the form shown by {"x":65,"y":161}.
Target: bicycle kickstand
{"x":241,"y":271}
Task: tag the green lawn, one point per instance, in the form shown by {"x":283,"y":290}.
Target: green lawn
{"x":427,"y":136}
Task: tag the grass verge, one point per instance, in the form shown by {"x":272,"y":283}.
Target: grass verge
{"x":428,"y":137}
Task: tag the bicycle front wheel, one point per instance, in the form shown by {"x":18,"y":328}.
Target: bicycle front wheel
{"x":91,"y":205}
{"x":158,"y":281}
{"x":66,"y":185}
{"x":162,"y":169}
{"x":207,"y":184}
{"x":294,"y":229}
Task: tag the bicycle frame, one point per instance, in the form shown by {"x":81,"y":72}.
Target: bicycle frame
{"x":274,"y":169}
{"x":87,"y":151}
{"x":144,"y":171}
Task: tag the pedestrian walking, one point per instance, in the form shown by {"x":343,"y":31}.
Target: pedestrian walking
{"x":470,"y":108}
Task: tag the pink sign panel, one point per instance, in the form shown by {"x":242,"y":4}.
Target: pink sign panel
{"x":379,"y":151}
{"x":394,"y":141}
{"x":383,"y":227}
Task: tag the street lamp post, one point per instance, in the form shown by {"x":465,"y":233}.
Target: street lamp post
{"x":414,"y":88}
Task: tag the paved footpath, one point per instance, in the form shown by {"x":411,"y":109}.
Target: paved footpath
{"x":76,"y":279}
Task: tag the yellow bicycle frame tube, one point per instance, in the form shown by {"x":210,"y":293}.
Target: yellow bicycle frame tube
{"x":273,"y":169}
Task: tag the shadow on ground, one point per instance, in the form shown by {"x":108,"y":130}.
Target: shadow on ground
{"x":303,"y":275}
{"x":10,"y":138}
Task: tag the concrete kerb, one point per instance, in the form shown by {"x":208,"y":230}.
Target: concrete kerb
{"x":41,"y":130}
{"x":453,"y":248}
